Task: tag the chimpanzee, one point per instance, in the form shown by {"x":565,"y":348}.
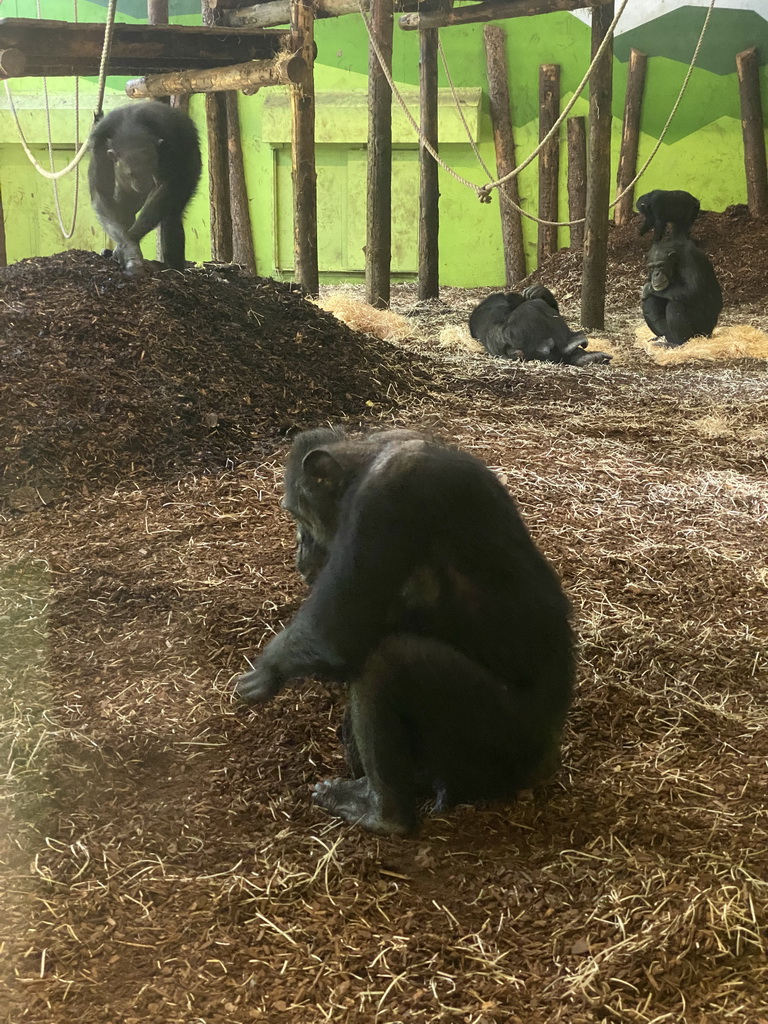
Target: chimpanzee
{"x":662,"y":207}
{"x":529,"y":326}
{"x":145,"y":166}
{"x":431,"y":602}
{"x":682,"y":296}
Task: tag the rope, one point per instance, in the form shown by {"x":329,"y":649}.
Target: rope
{"x":483,"y":192}
{"x":66,"y":232}
{"x":55,"y":175}
{"x":672,"y":113}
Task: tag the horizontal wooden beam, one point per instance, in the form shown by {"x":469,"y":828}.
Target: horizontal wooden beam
{"x":56,"y":48}
{"x":492,"y":11}
{"x":278,"y":12}
{"x":280,"y":70}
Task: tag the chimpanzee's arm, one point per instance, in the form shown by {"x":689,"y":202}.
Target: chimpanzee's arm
{"x":383,"y":536}
{"x":151,"y":213}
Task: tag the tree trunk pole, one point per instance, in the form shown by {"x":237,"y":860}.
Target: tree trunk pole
{"x":242,"y":237}
{"x":549,"y":159}
{"x":218,"y":174}
{"x":577,"y":178}
{"x":304,"y":173}
{"x":598,"y":176}
{"x":753,"y":131}
{"x":504,"y":141}
{"x":378,"y":245}
{"x":429,"y":194}
{"x":630,"y":135}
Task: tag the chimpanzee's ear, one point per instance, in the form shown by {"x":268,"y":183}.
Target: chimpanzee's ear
{"x":322,"y":469}
{"x":111,"y":153}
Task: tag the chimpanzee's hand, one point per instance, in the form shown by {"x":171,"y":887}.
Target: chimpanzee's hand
{"x":128,"y":255}
{"x":259,"y":685}
{"x":647,"y":290}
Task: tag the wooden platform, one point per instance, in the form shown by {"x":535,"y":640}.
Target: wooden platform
{"x":57,"y":48}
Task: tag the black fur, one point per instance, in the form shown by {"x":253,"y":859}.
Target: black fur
{"x":662,"y":207}
{"x":529,"y":326}
{"x":431,"y":601}
{"x":682,"y":296}
{"x":145,"y":166}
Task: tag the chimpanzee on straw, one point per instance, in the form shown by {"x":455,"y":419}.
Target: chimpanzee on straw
{"x":682,"y":297}
{"x":662,"y":207}
{"x":529,"y":326}
{"x":431,"y":602}
{"x":145,"y":166}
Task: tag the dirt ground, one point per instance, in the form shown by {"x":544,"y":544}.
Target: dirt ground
{"x":159,"y":855}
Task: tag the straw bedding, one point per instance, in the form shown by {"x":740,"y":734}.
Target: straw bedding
{"x":161,"y":860}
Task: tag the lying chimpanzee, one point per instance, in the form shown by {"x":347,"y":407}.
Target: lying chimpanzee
{"x":682,"y":296}
{"x":662,"y":207}
{"x":431,"y":602}
{"x":145,"y":166}
{"x":529,"y":326}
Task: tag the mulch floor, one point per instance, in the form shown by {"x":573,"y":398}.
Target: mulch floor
{"x":159,"y":855}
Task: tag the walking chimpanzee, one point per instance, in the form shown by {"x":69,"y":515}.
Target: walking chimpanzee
{"x":662,"y":207}
{"x":431,"y":602}
{"x":145,"y":166}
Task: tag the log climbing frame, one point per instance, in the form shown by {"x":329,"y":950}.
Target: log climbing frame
{"x":242,"y":46}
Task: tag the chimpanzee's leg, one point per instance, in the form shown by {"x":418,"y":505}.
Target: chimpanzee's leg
{"x":172,"y":241}
{"x":681,"y":323}
{"x":423,"y":711}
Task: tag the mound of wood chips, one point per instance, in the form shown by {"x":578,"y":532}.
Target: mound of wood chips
{"x":105,"y":379}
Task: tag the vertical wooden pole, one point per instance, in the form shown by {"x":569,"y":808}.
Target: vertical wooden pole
{"x":157,"y":12}
{"x":598,"y":176}
{"x":577,"y":178}
{"x":504,"y":140}
{"x":549,"y":159}
{"x":303,"y":149}
{"x":218,"y":166}
{"x":242,"y":238}
{"x":3,"y":250}
{"x":630,"y":135}
{"x":753,"y":131}
{"x":378,"y":245}
{"x":218,"y":174}
{"x":429,"y":194}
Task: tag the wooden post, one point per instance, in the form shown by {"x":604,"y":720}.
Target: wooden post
{"x":630,"y":135}
{"x":429,"y":194}
{"x":549,"y":159}
{"x":218,"y":167}
{"x":278,"y":12}
{"x":748,"y":66}
{"x":242,"y":237}
{"x":598,"y":176}
{"x":218,"y":174}
{"x":378,"y":245}
{"x":504,"y":140}
{"x":3,"y":250}
{"x":303,"y":149}
{"x":577,"y":178}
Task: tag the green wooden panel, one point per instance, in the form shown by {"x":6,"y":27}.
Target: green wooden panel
{"x":341,"y":209}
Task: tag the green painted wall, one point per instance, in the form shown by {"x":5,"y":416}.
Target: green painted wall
{"x":702,"y":151}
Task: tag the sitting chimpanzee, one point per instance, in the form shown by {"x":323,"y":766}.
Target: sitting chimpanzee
{"x":431,"y":602}
{"x":145,"y":166}
{"x":662,"y":207}
{"x":529,"y":326}
{"x":682,"y":296}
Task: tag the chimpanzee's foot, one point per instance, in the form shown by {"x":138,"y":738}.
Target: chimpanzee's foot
{"x":128,"y":255}
{"x":581,"y":358}
{"x":355,"y":802}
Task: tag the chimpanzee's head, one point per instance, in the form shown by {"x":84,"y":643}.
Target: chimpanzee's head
{"x":662,"y":266}
{"x":136,"y":162}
